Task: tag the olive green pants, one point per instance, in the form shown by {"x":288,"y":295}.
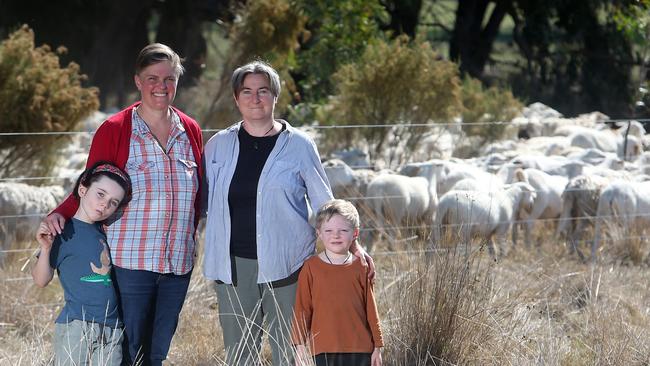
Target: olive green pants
{"x":248,"y":310}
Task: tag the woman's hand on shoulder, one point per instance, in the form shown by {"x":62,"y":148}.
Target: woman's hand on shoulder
{"x":365,"y":258}
{"x":54,"y":222}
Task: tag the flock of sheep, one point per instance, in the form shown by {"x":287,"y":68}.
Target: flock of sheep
{"x":560,"y":171}
{"x":563,"y":171}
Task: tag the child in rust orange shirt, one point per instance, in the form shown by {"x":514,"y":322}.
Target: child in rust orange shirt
{"x":335,"y":314}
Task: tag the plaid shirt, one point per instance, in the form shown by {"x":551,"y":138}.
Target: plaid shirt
{"x":156,"y":231}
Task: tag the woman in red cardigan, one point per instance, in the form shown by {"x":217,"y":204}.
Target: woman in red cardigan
{"x":152,"y":241}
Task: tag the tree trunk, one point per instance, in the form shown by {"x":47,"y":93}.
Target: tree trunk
{"x":404,"y":17}
{"x":471,"y":43}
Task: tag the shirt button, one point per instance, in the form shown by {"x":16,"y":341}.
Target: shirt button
{"x":167,"y":214}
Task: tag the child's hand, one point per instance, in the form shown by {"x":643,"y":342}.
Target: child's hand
{"x":303,"y":357}
{"x":375,"y":358}
{"x":44,"y":236}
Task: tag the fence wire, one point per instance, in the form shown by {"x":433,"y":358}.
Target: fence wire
{"x":323,"y":127}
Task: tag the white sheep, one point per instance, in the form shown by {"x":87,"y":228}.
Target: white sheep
{"x":547,"y":203}
{"x":341,"y":177}
{"x":354,"y":157}
{"x":22,"y":206}
{"x":623,"y":203}
{"x":402,"y":200}
{"x":579,"y":206}
{"x":607,"y":141}
{"x":447,"y":173}
{"x":482,"y":214}
{"x":553,"y":165}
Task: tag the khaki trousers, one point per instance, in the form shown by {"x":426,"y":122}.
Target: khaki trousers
{"x":248,"y":310}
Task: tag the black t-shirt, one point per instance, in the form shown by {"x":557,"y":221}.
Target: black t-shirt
{"x":242,"y":194}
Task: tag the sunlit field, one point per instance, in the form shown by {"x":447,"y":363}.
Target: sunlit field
{"x":531,"y":306}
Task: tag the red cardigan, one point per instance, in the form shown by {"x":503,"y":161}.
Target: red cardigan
{"x":112,"y":141}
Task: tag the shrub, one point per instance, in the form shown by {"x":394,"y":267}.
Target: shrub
{"x":266,"y":30}
{"x":443,"y":304}
{"x":491,"y":109}
{"x":37,"y":95}
{"x":394,"y":83}
{"x":339,"y":31}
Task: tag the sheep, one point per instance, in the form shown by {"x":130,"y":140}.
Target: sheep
{"x":607,"y":141}
{"x":579,"y":206}
{"x":553,"y":165}
{"x":354,"y":157}
{"x":341,"y":177}
{"x":627,"y":203}
{"x":403,"y":200}
{"x":448,"y":173}
{"x":22,"y":206}
{"x":482,"y":214}
{"x":547,"y":203}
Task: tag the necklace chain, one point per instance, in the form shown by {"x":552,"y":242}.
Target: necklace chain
{"x":270,"y":129}
{"x":267,"y":132}
{"x":255,"y":144}
{"x":329,"y":260}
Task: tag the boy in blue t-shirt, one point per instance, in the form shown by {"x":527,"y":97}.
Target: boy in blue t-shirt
{"x":88,"y":329}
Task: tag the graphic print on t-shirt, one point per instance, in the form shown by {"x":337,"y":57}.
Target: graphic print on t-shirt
{"x":103,"y":273}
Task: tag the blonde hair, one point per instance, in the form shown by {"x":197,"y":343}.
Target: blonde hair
{"x":338,"y":207}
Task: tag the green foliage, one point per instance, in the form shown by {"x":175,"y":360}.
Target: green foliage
{"x":267,"y":30}
{"x":339,"y":30}
{"x":37,"y":95}
{"x":395,"y":83}
{"x":491,"y":109}
{"x":634,"y":22}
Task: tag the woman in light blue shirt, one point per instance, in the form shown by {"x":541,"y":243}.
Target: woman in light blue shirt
{"x":264,"y":180}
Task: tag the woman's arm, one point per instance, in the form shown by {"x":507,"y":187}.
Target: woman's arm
{"x":104,"y":146}
{"x":316,"y":182}
{"x":365,"y":259}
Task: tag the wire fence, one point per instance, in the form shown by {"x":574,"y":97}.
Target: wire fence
{"x":609,"y":219}
{"x":357,"y":198}
{"x":314,"y":127}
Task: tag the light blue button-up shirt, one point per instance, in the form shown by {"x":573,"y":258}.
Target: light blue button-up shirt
{"x":292,"y":186}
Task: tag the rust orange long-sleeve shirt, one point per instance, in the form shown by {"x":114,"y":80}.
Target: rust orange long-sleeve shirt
{"x":335,"y":309}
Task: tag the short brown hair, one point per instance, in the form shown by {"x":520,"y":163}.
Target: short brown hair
{"x":255,"y":67}
{"x":338,"y":207}
{"x":155,"y":53}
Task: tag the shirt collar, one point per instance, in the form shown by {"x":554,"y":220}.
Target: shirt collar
{"x":140,"y":126}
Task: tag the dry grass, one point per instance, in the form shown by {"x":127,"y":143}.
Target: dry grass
{"x":535,"y":306}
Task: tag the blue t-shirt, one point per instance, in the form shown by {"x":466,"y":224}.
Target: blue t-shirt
{"x":83,"y":262}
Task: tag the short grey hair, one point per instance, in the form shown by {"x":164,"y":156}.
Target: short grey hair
{"x":155,"y":53}
{"x":338,"y":207}
{"x":255,"y":67}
